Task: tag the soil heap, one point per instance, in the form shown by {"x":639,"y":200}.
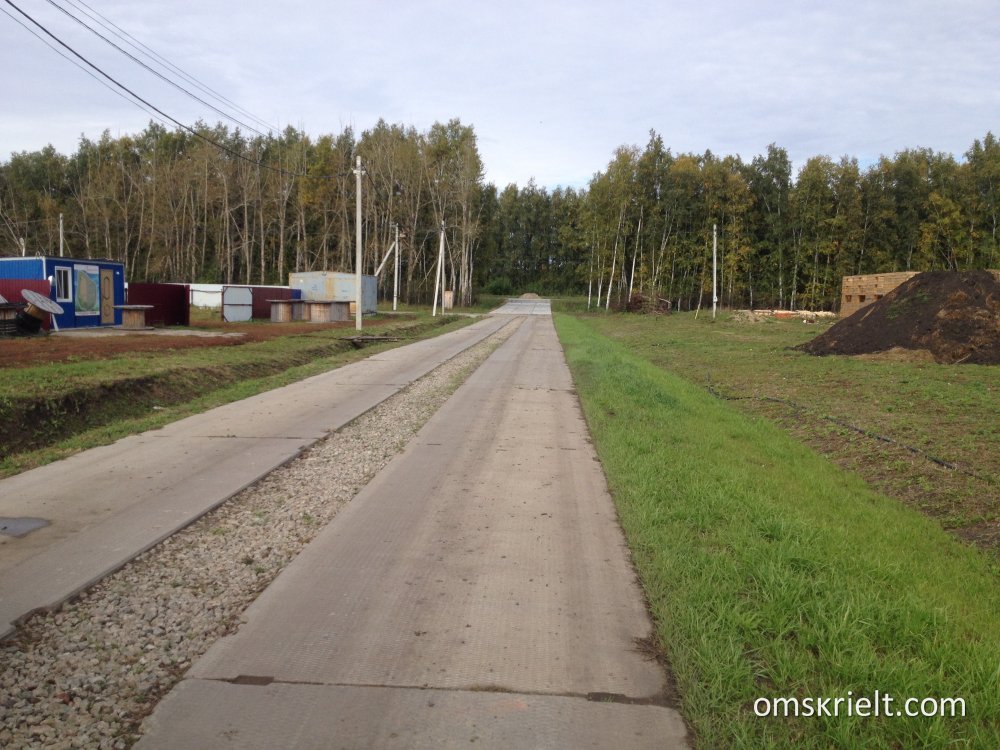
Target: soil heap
{"x":640,"y":303}
{"x":953,"y":315}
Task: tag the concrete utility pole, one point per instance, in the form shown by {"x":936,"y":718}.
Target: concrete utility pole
{"x":357,"y":261}
{"x":395,"y":278}
{"x":393,"y":248}
{"x":715,"y":292}
{"x":439,"y":275}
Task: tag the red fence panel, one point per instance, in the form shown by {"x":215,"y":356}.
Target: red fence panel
{"x":10,"y":290}
{"x":171,"y":303}
{"x":262,"y":297}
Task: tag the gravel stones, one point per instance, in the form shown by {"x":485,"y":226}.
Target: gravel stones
{"x":86,"y":676}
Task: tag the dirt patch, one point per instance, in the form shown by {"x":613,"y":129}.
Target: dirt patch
{"x":898,"y":354}
{"x":953,"y":315}
{"x":985,"y":535}
{"x":529,"y":295}
{"x":40,"y":421}
{"x":25,"y":352}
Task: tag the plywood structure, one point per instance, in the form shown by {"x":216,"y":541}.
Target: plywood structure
{"x":858,"y":291}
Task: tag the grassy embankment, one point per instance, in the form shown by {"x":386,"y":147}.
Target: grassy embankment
{"x":54,"y":410}
{"x":934,"y":414}
{"x":770,"y":571}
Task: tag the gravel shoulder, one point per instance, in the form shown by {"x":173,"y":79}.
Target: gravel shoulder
{"x":86,"y":676}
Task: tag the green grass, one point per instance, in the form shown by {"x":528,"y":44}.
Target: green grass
{"x":771,"y":572}
{"x":61,"y":408}
{"x":947,"y":412}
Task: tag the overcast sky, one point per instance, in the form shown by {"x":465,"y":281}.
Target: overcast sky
{"x":552,"y":87}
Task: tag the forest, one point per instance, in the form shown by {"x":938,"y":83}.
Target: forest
{"x":210,"y":204}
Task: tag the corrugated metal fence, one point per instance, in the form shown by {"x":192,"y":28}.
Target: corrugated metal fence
{"x":169,"y":301}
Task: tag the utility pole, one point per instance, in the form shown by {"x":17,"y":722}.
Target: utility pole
{"x":611,"y":280}
{"x":61,"y":242}
{"x":590,"y":278}
{"x":395,"y":278}
{"x":439,"y":274}
{"x":357,"y":260}
{"x":393,"y":248}
{"x":715,"y":290}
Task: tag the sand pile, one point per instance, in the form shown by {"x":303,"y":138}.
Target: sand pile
{"x":953,"y":315}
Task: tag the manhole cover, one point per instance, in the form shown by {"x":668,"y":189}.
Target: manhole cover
{"x":21,"y":526}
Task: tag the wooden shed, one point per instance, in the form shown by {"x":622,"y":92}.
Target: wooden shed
{"x":858,"y":291}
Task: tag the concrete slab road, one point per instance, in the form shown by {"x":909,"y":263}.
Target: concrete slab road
{"x":106,"y":505}
{"x":524,"y":307}
{"x":478,"y":590}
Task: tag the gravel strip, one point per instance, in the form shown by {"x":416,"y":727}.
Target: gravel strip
{"x":86,"y":676}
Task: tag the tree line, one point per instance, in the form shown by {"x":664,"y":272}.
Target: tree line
{"x":216,"y":206}
{"x":228,"y":208}
{"x":645,"y":225}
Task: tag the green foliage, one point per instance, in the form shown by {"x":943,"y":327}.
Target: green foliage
{"x":175,"y":208}
{"x":645,"y":224}
{"x":499,"y":286}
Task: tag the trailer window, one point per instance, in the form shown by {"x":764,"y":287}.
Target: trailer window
{"x":64,"y":286}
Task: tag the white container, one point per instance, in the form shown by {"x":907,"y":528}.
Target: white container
{"x":329,"y":285}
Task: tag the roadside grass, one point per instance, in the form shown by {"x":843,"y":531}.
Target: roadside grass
{"x":772,"y":573}
{"x":54,"y":410}
{"x":946,"y":412}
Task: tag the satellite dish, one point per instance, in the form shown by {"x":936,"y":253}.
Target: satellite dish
{"x":41,"y":302}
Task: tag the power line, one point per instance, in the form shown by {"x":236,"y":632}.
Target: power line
{"x":142,"y":48}
{"x":156,"y":73}
{"x":77,"y":64}
{"x":156,"y":109}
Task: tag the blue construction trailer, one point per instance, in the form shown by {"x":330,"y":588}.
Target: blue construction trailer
{"x":87,"y":289}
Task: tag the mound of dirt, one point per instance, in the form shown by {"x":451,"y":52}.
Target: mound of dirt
{"x":529,"y":295}
{"x":640,"y":303}
{"x":953,"y":315}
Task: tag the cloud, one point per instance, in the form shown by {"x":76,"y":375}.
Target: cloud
{"x":551,"y":88}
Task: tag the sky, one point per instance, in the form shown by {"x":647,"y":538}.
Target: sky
{"x":551,"y":87}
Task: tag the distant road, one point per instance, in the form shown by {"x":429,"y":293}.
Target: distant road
{"x":524,"y":307}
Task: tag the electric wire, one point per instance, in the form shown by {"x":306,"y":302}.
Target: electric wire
{"x":152,"y":54}
{"x":62,"y":54}
{"x":159,"y":111}
{"x":148,"y":107}
{"x":156,"y":73}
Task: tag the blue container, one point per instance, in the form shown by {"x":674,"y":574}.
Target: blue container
{"x":87,"y":289}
